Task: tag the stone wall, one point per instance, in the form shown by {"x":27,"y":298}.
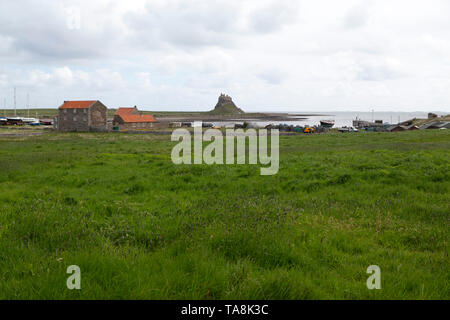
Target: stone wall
{"x":97,"y":117}
{"x":136,"y":126}
{"x":73,"y":120}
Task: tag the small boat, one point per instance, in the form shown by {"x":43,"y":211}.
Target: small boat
{"x":29,"y":120}
{"x":327,"y":123}
{"x":15,"y":121}
{"x":46,"y":122}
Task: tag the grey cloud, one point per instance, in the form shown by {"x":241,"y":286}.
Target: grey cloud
{"x":206,"y":23}
{"x":274,"y":77}
{"x":357,"y":16}
{"x":273,"y":17}
{"x":41,"y":33}
{"x":378,"y":73}
{"x":200,"y":23}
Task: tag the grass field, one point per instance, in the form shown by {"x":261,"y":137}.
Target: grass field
{"x":141,"y":227}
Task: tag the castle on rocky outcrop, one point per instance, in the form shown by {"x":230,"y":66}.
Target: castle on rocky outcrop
{"x":224,"y":97}
{"x":225,"y":105}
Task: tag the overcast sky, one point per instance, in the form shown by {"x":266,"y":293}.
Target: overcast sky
{"x":269,"y":55}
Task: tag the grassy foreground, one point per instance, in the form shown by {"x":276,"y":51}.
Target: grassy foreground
{"x":141,"y":227}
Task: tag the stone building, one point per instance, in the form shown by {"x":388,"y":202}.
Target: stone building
{"x":81,"y":116}
{"x":132,"y":119}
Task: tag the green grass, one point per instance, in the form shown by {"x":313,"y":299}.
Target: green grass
{"x":40,"y":113}
{"x":141,"y":227}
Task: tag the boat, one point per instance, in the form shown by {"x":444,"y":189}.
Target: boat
{"x":46,"y":122}
{"x":347,"y":129}
{"x":15,"y":121}
{"x":29,"y":120}
{"x":327,"y":123}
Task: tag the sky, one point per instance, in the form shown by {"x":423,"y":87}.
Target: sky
{"x":269,"y":55}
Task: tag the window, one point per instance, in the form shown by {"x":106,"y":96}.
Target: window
{"x":74,"y":110}
{"x":134,"y":125}
{"x":65,"y":111}
{"x":84,"y":119}
{"x":74,"y":118}
{"x":85,"y":111}
{"x":65,"y":118}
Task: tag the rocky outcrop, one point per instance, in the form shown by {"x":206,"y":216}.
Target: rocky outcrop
{"x":225,"y":105}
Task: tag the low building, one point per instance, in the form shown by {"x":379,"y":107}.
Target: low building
{"x":445,"y":125}
{"x":396,"y":128}
{"x":436,"y":125}
{"x":81,"y":116}
{"x":132,"y":119}
{"x":361,"y":124}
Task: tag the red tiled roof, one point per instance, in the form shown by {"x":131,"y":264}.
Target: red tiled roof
{"x":123,"y":111}
{"x":77,"y":104}
{"x":127,"y":116}
{"x":137,"y":117}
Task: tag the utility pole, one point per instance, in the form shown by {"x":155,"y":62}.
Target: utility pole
{"x":15,"y":105}
{"x":373,"y":119}
{"x":28,"y":105}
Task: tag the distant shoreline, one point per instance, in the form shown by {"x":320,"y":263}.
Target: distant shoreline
{"x":191,"y":116}
{"x":180,"y":117}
